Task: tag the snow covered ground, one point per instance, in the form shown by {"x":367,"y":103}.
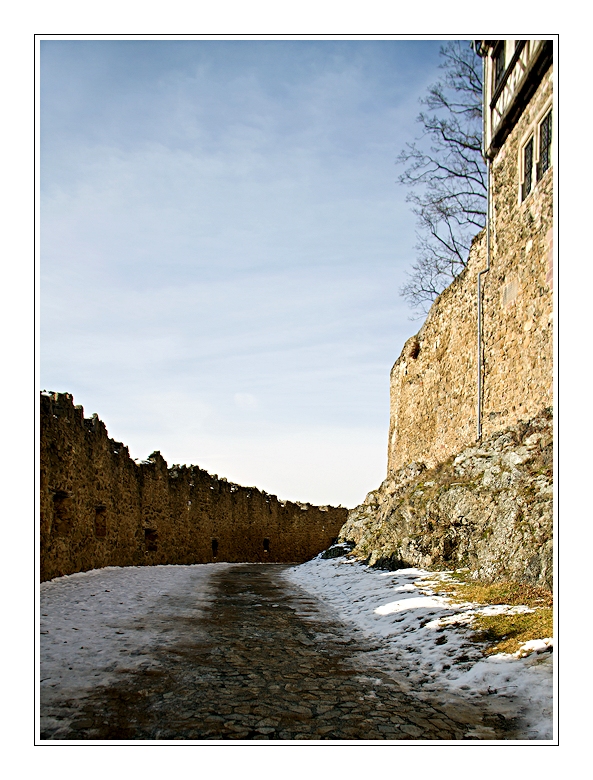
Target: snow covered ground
{"x":422,"y":636}
{"x":98,"y":624}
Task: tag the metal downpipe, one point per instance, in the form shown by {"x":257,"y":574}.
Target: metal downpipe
{"x":483,"y":271}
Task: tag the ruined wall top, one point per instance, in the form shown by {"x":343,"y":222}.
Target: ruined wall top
{"x":101,"y":508}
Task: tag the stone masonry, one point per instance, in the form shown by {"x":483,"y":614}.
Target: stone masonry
{"x":462,"y":491}
{"x":434,"y":381}
{"x":100,"y":508}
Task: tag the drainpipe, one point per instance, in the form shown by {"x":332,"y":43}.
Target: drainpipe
{"x":483,"y":271}
{"x":482,"y":53}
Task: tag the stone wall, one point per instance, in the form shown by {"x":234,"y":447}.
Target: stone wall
{"x":100,"y":508}
{"x":434,"y":381}
{"x":518,"y":302}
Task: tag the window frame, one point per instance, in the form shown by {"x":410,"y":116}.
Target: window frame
{"x":548,"y":115}
{"x":530,"y":140}
{"x":533,"y":136}
{"x":498,"y":64}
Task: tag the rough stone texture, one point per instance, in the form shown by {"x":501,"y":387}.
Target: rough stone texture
{"x":100,"y":508}
{"x":489,"y":508}
{"x":434,"y":381}
{"x":518,"y":301}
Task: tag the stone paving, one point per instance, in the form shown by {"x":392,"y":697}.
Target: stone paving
{"x":264,"y":662}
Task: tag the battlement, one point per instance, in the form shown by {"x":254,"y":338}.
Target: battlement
{"x":101,"y":508}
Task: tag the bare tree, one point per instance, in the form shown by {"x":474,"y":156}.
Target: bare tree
{"x":447,"y":175}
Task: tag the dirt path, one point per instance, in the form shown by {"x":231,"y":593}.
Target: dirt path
{"x":261,"y":660}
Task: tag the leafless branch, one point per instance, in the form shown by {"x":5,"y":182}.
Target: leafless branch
{"x":446,"y":174}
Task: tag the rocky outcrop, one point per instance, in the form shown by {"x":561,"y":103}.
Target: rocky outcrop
{"x":489,"y":509}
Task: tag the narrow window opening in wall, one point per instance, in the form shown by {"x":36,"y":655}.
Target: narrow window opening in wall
{"x":545,"y":145}
{"x":266,"y":545}
{"x":527,"y":169}
{"x":415,"y":350}
{"x":150,"y":539}
{"x":63,"y":519}
{"x":214,"y":548}
{"x":100,"y":521}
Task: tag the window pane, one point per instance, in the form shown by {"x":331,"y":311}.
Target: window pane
{"x":545,"y":145}
{"x":527,"y":168}
{"x":499,"y":65}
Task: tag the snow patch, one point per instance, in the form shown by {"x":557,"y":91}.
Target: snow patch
{"x":426,"y":638}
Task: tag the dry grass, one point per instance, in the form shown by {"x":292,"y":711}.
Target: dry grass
{"x":462,"y":587}
{"x":500,"y":633}
{"x":506,"y":633}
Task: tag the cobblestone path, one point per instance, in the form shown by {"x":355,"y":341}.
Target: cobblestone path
{"x":262,"y":662}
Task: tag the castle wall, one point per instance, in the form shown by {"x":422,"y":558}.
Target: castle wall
{"x":518,"y":302}
{"x":100,"y":508}
{"x":433,"y":384}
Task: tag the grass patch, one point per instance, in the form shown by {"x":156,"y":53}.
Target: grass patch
{"x":462,"y":588}
{"x":499,"y":633}
{"x":506,"y":633}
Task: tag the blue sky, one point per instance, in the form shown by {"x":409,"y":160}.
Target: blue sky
{"x":223,"y":240}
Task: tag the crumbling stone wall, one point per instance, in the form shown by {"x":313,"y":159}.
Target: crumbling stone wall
{"x":434,"y":381}
{"x":100,"y":508}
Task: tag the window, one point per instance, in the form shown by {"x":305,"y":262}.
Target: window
{"x":536,"y":155}
{"x":527,"y":169}
{"x":63,"y":520}
{"x":545,"y":145}
{"x":215,"y":548}
{"x":151,"y":540}
{"x":101,"y":521}
{"x":499,"y":63}
{"x":266,"y":545}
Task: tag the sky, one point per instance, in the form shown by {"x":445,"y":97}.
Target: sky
{"x":223,"y":240}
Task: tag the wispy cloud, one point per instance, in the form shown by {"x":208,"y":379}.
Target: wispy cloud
{"x":220,"y":223}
